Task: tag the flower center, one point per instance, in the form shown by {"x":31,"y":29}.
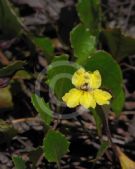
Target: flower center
{"x":85,"y":87}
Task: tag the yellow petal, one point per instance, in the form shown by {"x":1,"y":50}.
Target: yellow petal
{"x":125,"y":162}
{"x":95,"y":80}
{"x":102,"y":97}
{"x":72,"y":98}
{"x":87,"y":100}
{"x":78,"y":77}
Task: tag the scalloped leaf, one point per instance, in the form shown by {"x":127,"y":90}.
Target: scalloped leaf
{"x":82,"y":42}
{"x":55,"y":146}
{"x":89,"y":13}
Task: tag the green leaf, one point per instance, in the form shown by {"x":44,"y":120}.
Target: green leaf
{"x":5,"y":98}
{"x":103,"y":147}
{"x":42,"y":108}
{"x":22,"y":74}
{"x":119,"y":45}
{"x":45,"y":44}
{"x":11,"y":69}
{"x":117,"y":104}
{"x":19,"y":162}
{"x":63,"y":57}
{"x":82,"y":42}
{"x":60,"y":72}
{"x":111,"y":77}
{"x":98,"y":119}
{"x":88,"y":11}
{"x":9,"y":24}
{"x":55,"y":146}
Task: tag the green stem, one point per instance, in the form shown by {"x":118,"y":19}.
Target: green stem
{"x":58,"y":165}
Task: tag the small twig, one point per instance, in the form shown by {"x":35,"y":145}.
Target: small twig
{"x":39,"y":160}
{"x":128,"y":66}
{"x":129,"y":112}
{"x":22,"y":142}
{"x":29,"y":107}
{"x":3,"y":59}
{"x":56,"y":122}
{"x":26,"y":91}
{"x":83,"y":126}
{"x":128,"y":14}
{"x":22,"y":120}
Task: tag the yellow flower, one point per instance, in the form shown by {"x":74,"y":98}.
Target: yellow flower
{"x":86,"y":91}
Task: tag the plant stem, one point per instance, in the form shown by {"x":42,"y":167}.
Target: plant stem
{"x":107,"y":128}
{"x":58,"y":165}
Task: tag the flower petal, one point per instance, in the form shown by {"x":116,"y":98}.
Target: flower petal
{"x":78,"y":78}
{"x":72,"y":98}
{"x":87,"y":100}
{"x":95,"y":80}
{"x":102,"y":97}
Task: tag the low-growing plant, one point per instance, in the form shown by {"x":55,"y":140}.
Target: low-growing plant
{"x":92,"y":79}
{"x":89,"y":77}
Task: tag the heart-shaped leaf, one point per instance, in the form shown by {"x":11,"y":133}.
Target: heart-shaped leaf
{"x":118,"y":44}
{"x":111,"y":77}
